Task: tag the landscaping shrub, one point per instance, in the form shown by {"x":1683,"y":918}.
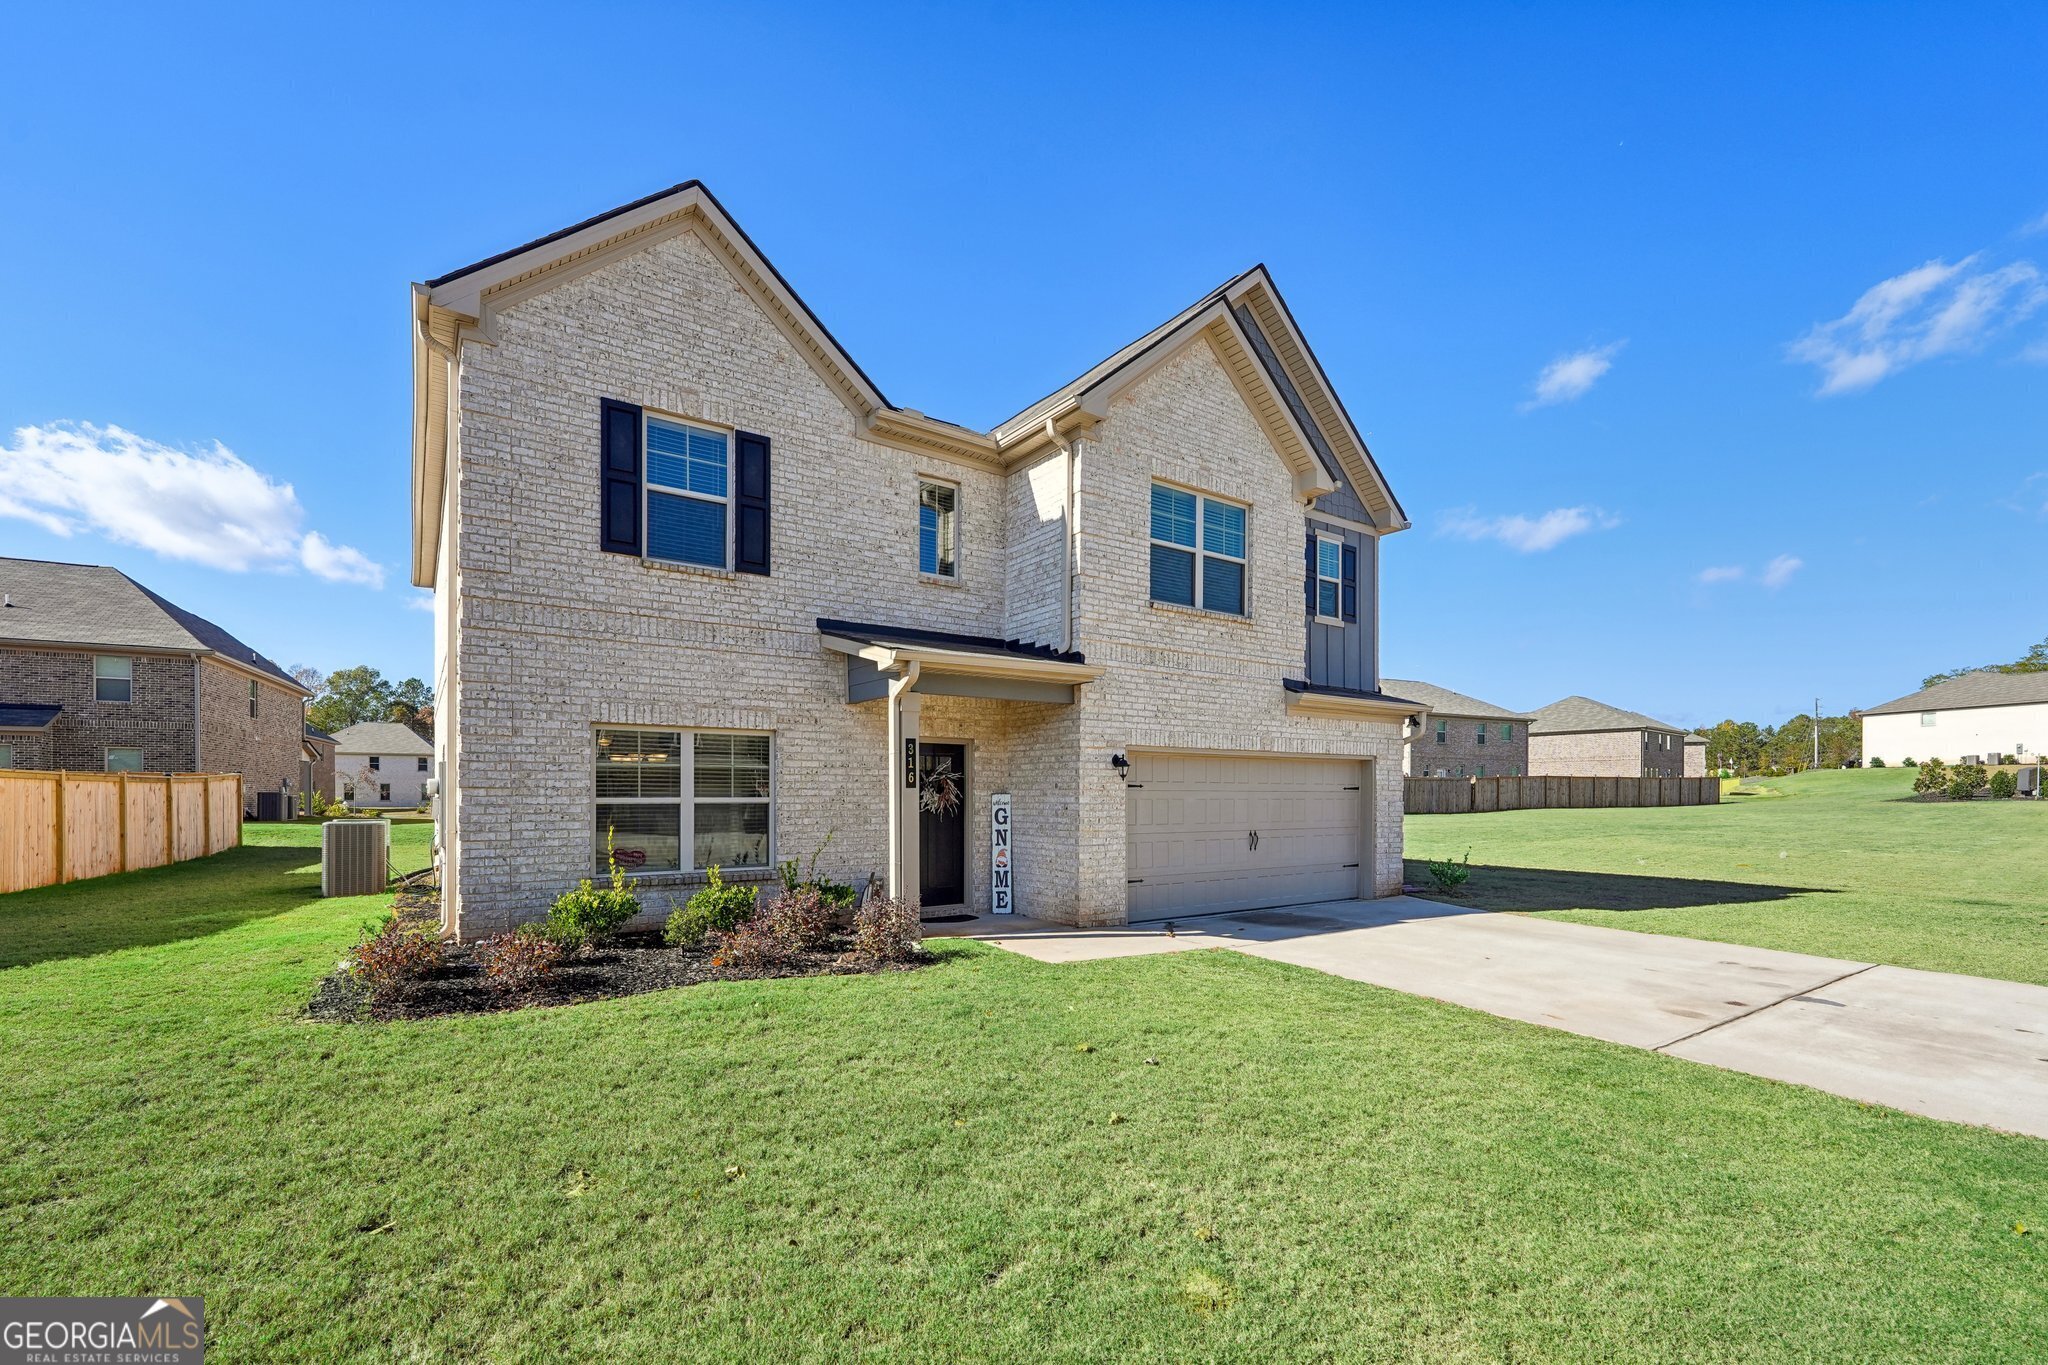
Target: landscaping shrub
{"x":837,"y":895}
{"x":1965,"y":780}
{"x":591,"y":914}
{"x":1877,"y":763}
{"x":801,"y":919}
{"x":2004,"y":785}
{"x":394,"y":958}
{"x":1932,"y":777}
{"x":1449,"y":875}
{"x":517,"y":961}
{"x":887,"y":930}
{"x":719,"y":907}
{"x":751,"y":946}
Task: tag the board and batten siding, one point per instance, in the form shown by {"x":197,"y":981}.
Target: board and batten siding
{"x":1343,"y":655}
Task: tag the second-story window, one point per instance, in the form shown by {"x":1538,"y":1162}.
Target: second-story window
{"x":113,"y":677}
{"x":1507,"y":731}
{"x":376,"y":763}
{"x":1198,"y":550}
{"x":1329,"y":580}
{"x":938,"y":535}
{"x":687,"y":493}
{"x":252,"y":698}
{"x":1443,"y":731}
{"x":1482,"y":735}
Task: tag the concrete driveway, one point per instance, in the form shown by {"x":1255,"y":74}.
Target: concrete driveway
{"x":1961,"y":1048}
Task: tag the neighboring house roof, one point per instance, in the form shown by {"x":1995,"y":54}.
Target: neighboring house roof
{"x":1576,"y":715}
{"x":49,"y":603}
{"x":1445,"y":702}
{"x":944,"y":639}
{"x":18,"y":717}
{"x":379,"y":737}
{"x":1695,"y":739}
{"x":1986,"y":687}
{"x":1245,"y":319}
{"x":314,"y":732}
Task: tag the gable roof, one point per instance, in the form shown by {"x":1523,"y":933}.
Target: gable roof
{"x":1576,"y":715}
{"x":1246,"y":320}
{"x":1985,"y":687}
{"x":1444,"y":702}
{"x":379,"y":737}
{"x":945,"y":639}
{"x":46,"y":602}
{"x":27,"y":716}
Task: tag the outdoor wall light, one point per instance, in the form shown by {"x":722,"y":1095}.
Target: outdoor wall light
{"x":1121,"y":764}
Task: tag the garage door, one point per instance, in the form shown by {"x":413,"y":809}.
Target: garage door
{"x":1207,"y":833}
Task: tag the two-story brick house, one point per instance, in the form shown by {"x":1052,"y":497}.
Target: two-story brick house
{"x":99,"y":674}
{"x":1580,"y":737}
{"x":1462,"y":736}
{"x":702,"y":589}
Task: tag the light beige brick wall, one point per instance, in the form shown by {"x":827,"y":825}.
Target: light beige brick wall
{"x":557,"y":637}
{"x":1181,"y":679}
{"x":1034,"y":592}
{"x":1606,"y":753}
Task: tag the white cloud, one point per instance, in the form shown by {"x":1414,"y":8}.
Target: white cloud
{"x":1932,"y":310}
{"x":1721,"y":573}
{"x":206,"y":505}
{"x":2036,"y":227}
{"x":1570,"y":376}
{"x":1779,"y":571}
{"x":1528,"y":534}
{"x":421,"y":601}
{"x":338,"y":563}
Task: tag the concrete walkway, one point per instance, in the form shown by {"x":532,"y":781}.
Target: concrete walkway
{"x":1961,"y":1048}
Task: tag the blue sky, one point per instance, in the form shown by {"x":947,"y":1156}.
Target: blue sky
{"x":1707,"y":351}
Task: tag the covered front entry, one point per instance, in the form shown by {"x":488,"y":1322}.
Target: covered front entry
{"x":1206,"y":833}
{"x":942,"y":825}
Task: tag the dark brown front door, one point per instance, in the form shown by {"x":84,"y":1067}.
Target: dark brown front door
{"x":942,"y":824}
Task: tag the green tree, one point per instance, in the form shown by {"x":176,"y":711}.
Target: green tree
{"x":411,"y":703}
{"x":2035,"y":660}
{"x":352,"y":696}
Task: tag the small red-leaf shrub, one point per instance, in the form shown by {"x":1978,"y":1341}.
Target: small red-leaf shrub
{"x":517,"y":961}
{"x":887,"y":930}
{"x":395,"y":959}
{"x":751,"y":947}
{"x":800,"y":919}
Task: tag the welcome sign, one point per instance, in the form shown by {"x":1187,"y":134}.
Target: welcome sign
{"x":1001,"y":874}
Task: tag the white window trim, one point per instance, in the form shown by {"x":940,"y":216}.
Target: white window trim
{"x":1337,"y":580}
{"x":1199,"y":552}
{"x":686,"y":797}
{"x":252,"y":699}
{"x":648,"y":487}
{"x":128,"y":678}
{"x":958,"y":548}
{"x":107,"y":757}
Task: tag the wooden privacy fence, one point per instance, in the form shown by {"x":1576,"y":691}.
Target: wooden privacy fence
{"x":66,"y":827}
{"x":1459,"y":795}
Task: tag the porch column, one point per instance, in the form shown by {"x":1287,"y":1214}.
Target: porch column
{"x":905,"y":706}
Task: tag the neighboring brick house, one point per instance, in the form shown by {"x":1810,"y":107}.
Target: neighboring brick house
{"x":1695,"y":756}
{"x":316,"y":766}
{"x":1461,"y":736}
{"x":701,"y":587}
{"x":380,"y":764}
{"x":1580,"y":737}
{"x":99,"y":674}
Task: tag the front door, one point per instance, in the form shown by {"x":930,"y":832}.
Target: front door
{"x":942,"y":824}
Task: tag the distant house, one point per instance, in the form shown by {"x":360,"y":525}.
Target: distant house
{"x":1978,"y":714}
{"x":381,"y":764}
{"x":1695,"y":755}
{"x":1580,"y":737}
{"x":1461,"y":736}
{"x":99,"y":674}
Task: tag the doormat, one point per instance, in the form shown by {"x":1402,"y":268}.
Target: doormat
{"x":945,"y":919}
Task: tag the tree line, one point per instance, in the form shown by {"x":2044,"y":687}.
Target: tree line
{"x":356,"y":696}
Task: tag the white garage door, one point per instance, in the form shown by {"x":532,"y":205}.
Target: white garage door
{"x":1207,"y":833}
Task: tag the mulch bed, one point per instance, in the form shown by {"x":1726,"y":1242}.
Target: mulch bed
{"x":628,"y":964}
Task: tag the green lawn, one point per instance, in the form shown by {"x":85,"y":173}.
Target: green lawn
{"x":1834,"y":863}
{"x":925,"y":1165}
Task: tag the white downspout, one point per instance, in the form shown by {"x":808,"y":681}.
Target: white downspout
{"x":897,"y":687}
{"x":1067,"y":456}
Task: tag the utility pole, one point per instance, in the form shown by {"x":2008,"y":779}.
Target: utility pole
{"x":1816,"y":732}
